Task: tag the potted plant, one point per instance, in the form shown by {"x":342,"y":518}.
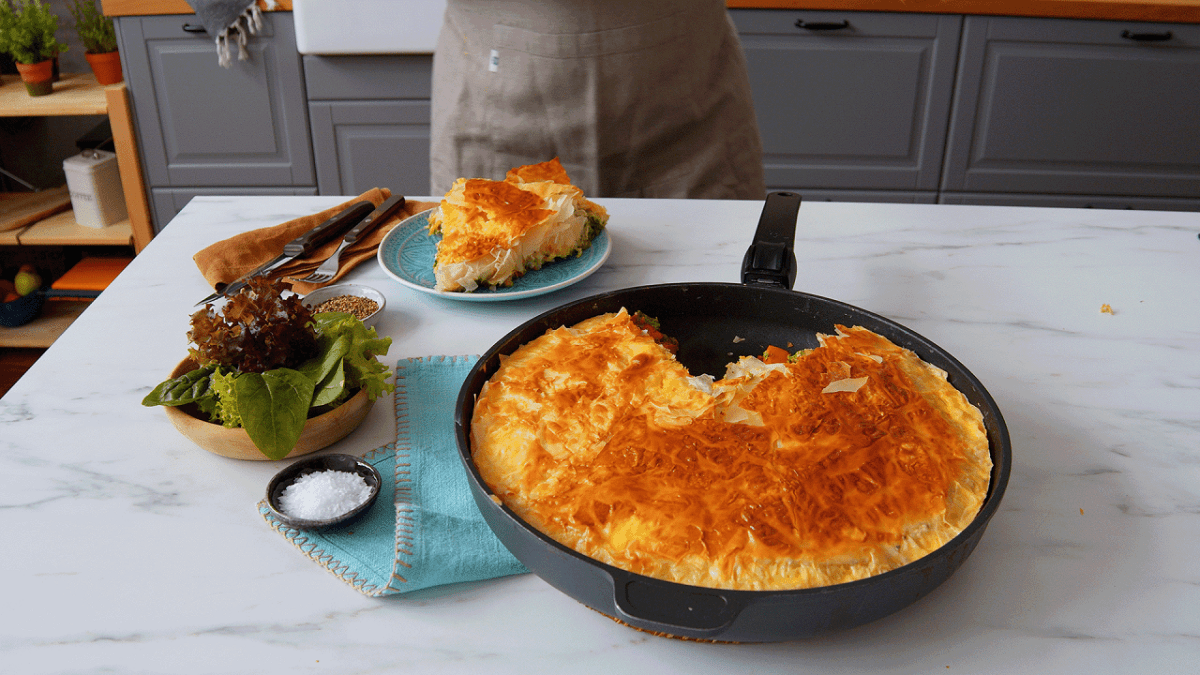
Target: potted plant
{"x":27,"y":32}
{"x":99,"y":40}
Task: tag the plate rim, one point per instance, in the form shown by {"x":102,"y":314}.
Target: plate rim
{"x":601,"y":238}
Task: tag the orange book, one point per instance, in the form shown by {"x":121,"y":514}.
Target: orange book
{"x":91,"y":274}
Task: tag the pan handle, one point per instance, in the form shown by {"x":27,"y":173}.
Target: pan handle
{"x":771,"y":259}
{"x":675,"y":609}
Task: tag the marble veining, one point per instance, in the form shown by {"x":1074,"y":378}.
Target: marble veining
{"x":133,"y":551}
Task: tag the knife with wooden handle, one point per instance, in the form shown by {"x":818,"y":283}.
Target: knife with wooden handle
{"x":299,"y":247}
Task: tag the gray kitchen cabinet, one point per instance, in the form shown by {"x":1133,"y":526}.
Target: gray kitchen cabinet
{"x":851,"y":101}
{"x":370,"y":122}
{"x":242,"y":129}
{"x":852,"y":106}
{"x":1076,"y":112}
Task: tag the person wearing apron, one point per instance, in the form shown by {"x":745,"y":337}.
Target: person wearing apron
{"x":637,"y":98}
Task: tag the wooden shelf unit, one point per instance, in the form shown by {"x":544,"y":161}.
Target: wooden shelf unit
{"x":80,"y":94}
{"x":74,"y":94}
{"x":53,"y":225}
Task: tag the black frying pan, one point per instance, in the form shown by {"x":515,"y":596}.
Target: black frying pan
{"x":715,"y":323}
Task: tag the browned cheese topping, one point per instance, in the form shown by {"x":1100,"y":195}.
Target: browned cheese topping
{"x":854,"y":459}
{"x":494,"y":231}
{"x":493,"y":215}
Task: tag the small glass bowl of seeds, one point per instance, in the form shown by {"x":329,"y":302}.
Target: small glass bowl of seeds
{"x":364,"y":302}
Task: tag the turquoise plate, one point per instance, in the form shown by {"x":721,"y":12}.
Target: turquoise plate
{"x":406,"y":254}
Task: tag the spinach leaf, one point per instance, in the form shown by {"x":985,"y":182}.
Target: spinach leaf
{"x":191,"y":387}
{"x":332,"y":388}
{"x":327,"y":370}
{"x":333,"y":350}
{"x":274,"y":407}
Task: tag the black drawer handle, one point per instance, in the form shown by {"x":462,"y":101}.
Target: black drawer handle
{"x":193,"y":28}
{"x":1147,"y":37}
{"x":818,"y":25}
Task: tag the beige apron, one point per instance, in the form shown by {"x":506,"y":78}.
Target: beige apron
{"x":637,"y":98}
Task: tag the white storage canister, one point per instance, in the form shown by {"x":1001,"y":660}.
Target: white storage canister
{"x":95,"y":186}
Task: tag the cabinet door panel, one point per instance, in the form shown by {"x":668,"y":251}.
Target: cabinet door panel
{"x":864,"y":106}
{"x":1072,"y":107}
{"x":202,"y":124}
{"x":360,"y":145}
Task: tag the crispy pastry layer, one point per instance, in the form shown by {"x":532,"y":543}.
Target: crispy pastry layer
{"x":852,"y":460}
{"x":493,"y":231}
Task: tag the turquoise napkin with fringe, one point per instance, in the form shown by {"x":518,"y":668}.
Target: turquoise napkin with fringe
{"x":424,"y":529}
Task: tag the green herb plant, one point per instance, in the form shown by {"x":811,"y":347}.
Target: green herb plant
{"x":95,"y":30}
{"x":7,"y":18}
{"x":267,"y":364}
{"x":27,"y":31}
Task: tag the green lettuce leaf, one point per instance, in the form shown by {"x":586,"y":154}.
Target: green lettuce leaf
{"x":363,"y":371}
{"x":225,"y":410}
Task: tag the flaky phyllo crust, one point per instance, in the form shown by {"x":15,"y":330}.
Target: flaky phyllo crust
{"x":494,"y":231}
{"x":854,"y":459}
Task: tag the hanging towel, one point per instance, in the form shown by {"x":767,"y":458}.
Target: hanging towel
{"x":230,"y":20}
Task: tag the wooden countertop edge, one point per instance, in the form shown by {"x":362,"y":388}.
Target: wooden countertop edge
{"x":155,"y":7}
{"x":1168,"y":11}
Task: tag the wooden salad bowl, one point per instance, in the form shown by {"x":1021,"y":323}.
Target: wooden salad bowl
{"x":319,"y":432}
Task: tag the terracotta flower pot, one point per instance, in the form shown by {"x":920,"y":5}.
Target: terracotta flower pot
{"x":319,"y":432}
{"x":106,"y":66}
{"x":38,"y":77}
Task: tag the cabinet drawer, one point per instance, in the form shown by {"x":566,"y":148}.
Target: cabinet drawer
{"x":853,"y":100}
{"x":401,"y":76}
{"x":1068,"y":106}
{"x":359,"y":145}
{"x":201,"y":124}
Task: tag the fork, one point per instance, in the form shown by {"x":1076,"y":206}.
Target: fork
{"x":329,"y":268}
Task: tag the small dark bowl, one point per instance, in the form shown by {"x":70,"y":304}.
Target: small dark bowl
{"x":22,"y":310}
{"x":336,"y":462}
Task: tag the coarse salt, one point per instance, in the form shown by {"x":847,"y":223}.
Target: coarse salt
{"x":322,"y":495}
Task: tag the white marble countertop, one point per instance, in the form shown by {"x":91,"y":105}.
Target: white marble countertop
{"x":130,"y":550}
